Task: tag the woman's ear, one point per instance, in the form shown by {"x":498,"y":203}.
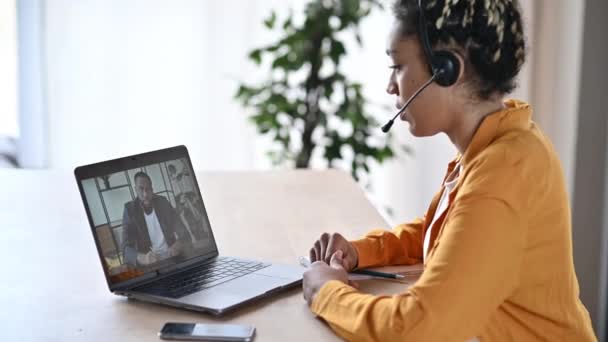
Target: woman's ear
{"x":462,"y":64}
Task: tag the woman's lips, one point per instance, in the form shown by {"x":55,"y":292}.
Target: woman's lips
{"x":399,"y":106}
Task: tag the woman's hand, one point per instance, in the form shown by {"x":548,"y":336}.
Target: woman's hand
{"x":319,"y":273}
{"x":327,"y":245}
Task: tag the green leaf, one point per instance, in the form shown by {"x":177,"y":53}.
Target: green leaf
{"x":333,"y":150}
{"x":365,"y":167}
{"x":288,"y":22}
{"x":242,"y":92}
{"x":281,"y":63}
{"x":273,"y":48}
{"x":269,"y":23}
{"x":336,"y":51}
{"x":256,"y":56}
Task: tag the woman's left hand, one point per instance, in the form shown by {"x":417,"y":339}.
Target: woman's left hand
{"x":319,"y":273}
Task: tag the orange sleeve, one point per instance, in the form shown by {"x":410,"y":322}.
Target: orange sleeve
{"x":402,"y":246}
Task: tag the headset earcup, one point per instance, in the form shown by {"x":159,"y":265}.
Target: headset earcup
{"x":446,"y":66}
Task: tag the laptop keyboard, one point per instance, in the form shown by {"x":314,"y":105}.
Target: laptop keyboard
{"x":201,"y":277}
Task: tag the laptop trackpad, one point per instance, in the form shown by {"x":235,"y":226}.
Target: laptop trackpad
{"x":233,"y":292}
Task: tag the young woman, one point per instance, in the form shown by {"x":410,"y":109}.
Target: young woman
{"x":496,"y":239}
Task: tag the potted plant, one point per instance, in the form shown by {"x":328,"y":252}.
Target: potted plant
{"x":307,"y":104}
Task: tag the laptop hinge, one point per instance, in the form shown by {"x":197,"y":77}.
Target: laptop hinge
{"x":153,"y":276}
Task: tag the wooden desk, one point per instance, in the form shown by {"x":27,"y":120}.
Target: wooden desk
{"x":53,"y":288}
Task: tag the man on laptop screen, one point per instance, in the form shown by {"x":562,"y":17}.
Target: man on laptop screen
{"x":152,"y":231}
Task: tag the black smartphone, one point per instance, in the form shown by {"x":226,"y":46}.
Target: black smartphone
{"x":206,"y":332}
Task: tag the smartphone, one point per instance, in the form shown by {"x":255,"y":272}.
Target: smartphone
{"x":206,"y":332}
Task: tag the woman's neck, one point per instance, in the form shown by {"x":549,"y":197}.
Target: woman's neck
{"x":470,"y":117}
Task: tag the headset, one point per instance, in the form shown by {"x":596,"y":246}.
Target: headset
{"x":444,"y":66}
{"x":442,"y":63}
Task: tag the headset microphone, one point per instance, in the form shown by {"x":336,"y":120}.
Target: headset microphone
{"x":389,"y":124}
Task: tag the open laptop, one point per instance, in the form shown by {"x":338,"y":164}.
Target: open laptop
{"x":155,"y":241}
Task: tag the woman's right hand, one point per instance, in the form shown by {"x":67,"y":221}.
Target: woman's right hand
{"x":328,"y":244}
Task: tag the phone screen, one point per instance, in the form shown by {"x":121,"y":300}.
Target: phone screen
{"x":219,"y":332}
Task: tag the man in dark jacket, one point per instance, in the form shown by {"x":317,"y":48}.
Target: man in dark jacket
{"x":152,"y":231}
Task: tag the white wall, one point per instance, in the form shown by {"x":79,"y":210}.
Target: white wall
{"x":130,"y":76}
{"x":124,"y":77}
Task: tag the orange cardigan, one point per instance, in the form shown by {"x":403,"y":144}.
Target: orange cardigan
{"x":500,"y":263}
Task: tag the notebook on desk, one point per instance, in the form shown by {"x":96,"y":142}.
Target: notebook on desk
{"x":155,"y":240}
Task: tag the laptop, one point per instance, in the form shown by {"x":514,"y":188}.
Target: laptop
{"x":155,"y":241}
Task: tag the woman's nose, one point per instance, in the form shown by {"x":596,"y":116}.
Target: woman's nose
{"x":391,"y":88}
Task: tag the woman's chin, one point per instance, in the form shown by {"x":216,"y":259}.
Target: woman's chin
{"x":415,"y":131}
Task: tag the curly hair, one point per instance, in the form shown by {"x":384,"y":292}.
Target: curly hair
{"x":489,"y":34}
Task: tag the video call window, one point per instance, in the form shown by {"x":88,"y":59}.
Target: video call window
{"x":147,"y":217}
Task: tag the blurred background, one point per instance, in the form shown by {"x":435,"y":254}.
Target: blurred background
{"x":87,"y":80}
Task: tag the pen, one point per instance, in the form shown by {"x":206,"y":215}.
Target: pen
{"x":379,"y":274}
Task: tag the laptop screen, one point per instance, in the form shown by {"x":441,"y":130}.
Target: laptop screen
{"x":147,"y":217}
